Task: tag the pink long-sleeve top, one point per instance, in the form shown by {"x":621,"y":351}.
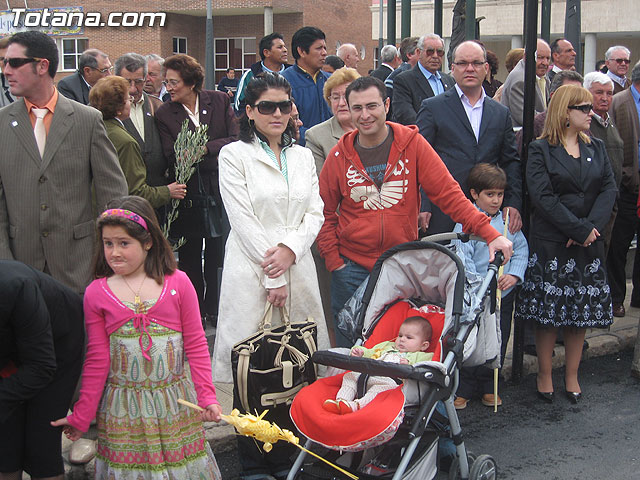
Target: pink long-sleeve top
{"x":176,"y":308}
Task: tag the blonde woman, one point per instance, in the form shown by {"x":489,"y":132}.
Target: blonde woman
{"x":572,"y":190}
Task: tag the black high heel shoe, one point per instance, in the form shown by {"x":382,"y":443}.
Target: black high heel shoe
{"x":546,"y":396}
{"x":573,"y":396}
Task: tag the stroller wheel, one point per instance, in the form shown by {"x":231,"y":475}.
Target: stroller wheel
{"x":484,"y":468}
{"x":454,"y":470}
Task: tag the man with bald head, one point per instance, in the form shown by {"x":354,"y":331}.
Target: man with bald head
{"x":92,"y":66}
{"x":513,"y":90}
{"x":466,"y":127}
{"x":349,"y":55}
{"x":563,"y":56}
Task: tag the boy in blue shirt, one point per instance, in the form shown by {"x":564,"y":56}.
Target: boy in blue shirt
{"x":487,"y":183}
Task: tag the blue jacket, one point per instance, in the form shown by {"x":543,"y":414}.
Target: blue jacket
{"x":475,"y":253}
{"x":309,"y":98}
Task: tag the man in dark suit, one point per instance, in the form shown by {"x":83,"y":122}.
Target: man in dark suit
{"x":563,"y":56}
{"x":389,"y":61}
{"x":141,"y":123}
{"x":55,"y":161}
{"x":423,"y":81}
{"x":465,"y":127}
{"x":617,"y":59}
{"x":92,"y":66}
{"x":624,"y":113}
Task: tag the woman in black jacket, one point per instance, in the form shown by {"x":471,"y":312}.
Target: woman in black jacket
{"x":572,"y":190}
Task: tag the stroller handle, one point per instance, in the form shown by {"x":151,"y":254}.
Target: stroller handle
{"x":379,"y":368}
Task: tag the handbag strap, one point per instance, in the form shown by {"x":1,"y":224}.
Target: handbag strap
{"x":267,"y":316}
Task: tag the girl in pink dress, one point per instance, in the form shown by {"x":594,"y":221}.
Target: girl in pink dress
{"x":142,"y":318}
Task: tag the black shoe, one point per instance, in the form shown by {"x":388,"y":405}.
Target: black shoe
{"x":573,"y":396}
{"x":618,"y":310}
{"x":546,"y":396}
{"x":585,"y":346}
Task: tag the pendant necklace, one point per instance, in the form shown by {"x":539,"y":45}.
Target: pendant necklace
{"x":136,"y":298}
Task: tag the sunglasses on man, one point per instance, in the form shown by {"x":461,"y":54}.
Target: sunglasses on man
{"x":17,"y":62}
{"x":431,"y":51}
{"x":267,"y":107}
{"x":620,"y":61}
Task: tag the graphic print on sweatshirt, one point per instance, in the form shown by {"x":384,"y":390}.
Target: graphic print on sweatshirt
{"x":373,"y":199}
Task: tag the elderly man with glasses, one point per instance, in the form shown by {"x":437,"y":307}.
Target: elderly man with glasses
{"x":617,"y":59}
{"x":141,"y":123}
{"x":423,"y":81}
{"x":92,"y":66}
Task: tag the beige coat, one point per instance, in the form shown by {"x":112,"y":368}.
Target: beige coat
{"x":46,"y":216}
{"x":264,"y":211}
{"x":321,"y":138}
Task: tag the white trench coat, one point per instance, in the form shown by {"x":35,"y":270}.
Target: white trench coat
{"x":265,"y":211}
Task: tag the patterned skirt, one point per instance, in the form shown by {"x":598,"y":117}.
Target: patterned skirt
{"x":143,"y":432}
{"x":565,"y":287}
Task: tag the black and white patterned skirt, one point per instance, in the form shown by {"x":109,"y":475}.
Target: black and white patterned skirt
{"x":565,"y":287}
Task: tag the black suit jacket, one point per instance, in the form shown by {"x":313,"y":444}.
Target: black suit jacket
{"x":382,"y":72}
{"x":410,"y":88}
{"x":215,"y":111}
{"x":569,"y":197}
{"x":150,"y":145}
{"x":75,"y":88}
{"x":41,"y":332}
{"x":444,"y":123}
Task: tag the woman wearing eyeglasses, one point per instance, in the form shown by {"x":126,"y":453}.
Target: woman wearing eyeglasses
{"x":572,"y":190}
{"x":110,"y":95}
{"x":324,"y":136}
{"x":270,"y":190}
{"x":184,"y":78}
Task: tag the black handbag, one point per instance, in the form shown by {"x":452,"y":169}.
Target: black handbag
{"x":199,"y":214}
{"x":273,"y":364}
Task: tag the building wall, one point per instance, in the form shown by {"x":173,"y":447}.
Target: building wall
{"x":615,"y":22}
{"x":342,"y":21}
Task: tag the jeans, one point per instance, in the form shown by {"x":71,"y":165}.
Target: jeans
{"x":344,"y":283}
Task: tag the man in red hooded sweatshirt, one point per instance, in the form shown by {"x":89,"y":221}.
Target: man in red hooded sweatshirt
{"x":370,"y":187}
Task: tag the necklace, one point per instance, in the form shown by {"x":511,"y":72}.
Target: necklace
{"x":136,"y":298}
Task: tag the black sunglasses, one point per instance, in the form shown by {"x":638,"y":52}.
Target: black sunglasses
{"x":267,"y":108}
{"x":431,"y":51}
{"x":582,"y":108}
{"x":17,"y":62}
{"x":620,"y":61}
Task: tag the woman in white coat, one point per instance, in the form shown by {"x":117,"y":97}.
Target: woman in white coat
{"x":270,"y":190}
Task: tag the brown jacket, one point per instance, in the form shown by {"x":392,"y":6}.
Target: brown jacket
{"x":624,"y":114}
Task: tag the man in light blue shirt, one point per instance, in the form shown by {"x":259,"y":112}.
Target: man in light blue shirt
{"x":423,"y":81}
{"x":617,"y":59}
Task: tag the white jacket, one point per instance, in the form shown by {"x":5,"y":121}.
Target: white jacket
{"x":264,"y":211}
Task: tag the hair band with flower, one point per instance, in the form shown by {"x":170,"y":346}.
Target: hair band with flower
{"x":128,"y":214}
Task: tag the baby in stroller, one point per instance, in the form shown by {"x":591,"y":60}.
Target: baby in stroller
{"x":409,"y":347}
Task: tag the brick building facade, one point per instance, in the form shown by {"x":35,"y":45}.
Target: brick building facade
{"x":238,"y":26}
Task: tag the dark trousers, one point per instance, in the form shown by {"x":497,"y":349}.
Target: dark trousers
{"x":205,"y":282}
{"x":625,"y":227}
